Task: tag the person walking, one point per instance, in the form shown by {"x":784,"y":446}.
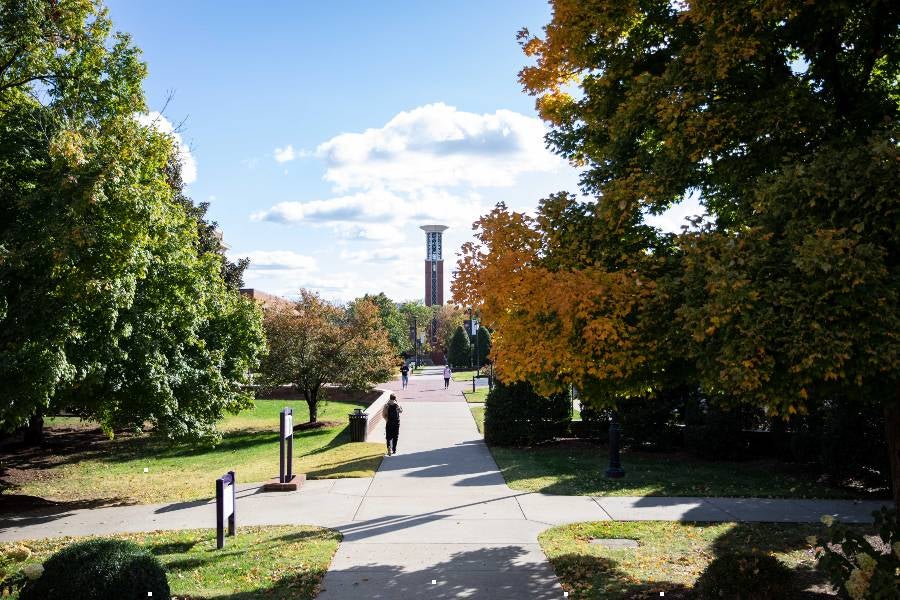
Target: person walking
{"x":447,"y":374}
{"x":391,"y":413}
{"x":404,"y":374}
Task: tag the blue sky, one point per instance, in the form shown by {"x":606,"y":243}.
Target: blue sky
{"x":324,"y":134}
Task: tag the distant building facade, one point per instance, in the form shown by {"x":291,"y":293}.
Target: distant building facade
{"x":267,"y":302}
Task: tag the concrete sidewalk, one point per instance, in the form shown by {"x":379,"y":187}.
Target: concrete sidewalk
{"x":436,"y":521}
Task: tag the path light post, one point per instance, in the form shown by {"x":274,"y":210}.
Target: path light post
{"x":472,"y":353}
{"x":415,"y":339}
{"x":615,"y":470}
{"x":476,"y":327}
{"x":287,"y":480}
{"x":226,"y":494}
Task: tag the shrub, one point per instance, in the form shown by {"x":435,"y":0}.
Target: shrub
{"x":748,"y":576}
{"x":99,"y":569}
{"x":516,"y":415}
{"x":483,"y":346}
{"x":460,"y":353}
{"x":845,"y":440}
{"x":719,"y":437}
{"x":594,"y":424}
{"x":853,"y":443}
{"x":859,"y":568}
{"x":652,"y":421}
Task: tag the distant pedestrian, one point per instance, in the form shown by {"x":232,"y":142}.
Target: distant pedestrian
{"x":391,"y":413}
{"x":404,"y":375}
{"x":447,"y":374}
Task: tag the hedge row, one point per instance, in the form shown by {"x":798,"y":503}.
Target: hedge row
{"x":839,"y":437}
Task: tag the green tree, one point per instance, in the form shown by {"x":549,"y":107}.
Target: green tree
{"x":482,"y":345}
{"x":447,"y":318}
{"x":418,"y":315}
{"x":782,"y":118}
{"x":394,"y":322}
{"x":110,"y":309}
{"x":318,"y":342}
{"x":459,"y":354}
{"x":209,"y":236}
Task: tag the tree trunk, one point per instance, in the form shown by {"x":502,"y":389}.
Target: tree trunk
{"x":312,"y":402}
{"x":892,"y":429}
{"x":34,"y":433}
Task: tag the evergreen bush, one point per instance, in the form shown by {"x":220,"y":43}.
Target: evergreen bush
{"x":516,"y":415}
{"x":483,"y":346}
{"x":460,"y":353}
{"x":99,"y":569}
{"x":719,"y":438}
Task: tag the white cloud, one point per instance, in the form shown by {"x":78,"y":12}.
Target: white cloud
{"x":377,"y":214}
{"x":162,"y":124}
{"x":437,"y":145}
{"x":281,"y":272}
{"x":432,"y":164}
{"x":286,"y":154}
{"x":280,"y":260}
{"x":368,"y":232}
{"x":675,"y":218}
{"x":400,"y":254}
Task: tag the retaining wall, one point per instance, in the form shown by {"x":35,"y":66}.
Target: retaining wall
{"x":374,"y":412}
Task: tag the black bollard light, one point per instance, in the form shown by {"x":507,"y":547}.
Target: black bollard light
{"x":615,"y":470}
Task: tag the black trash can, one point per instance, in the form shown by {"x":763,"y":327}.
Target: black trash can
{"x":359,"y":422}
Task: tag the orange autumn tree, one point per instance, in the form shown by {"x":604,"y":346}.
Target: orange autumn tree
{"x":782,"y":118}
{"x":556,"y":320}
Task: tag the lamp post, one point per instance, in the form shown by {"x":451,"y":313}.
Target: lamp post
{"x":416,"y":339}
{"x":471,"y":362}
{"x":477,"y":352}
{"x":615,"y":470}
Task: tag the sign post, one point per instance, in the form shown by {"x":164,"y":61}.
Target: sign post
{"x":286,"y":481}
{"x":286,"y":460}
{"x":225,"y":506}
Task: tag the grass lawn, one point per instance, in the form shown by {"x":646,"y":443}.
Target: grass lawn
{"x":463,"y":376}
{"x":576,"y":469}
{"x":479,"y":395}
{"x":80,"y":464}
{"x":284,"y":562}
{"x":478,"y":415}
{"x":670,"y":556}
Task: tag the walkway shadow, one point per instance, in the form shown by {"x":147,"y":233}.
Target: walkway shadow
{"x":22,"y":511}
{"x":498,"y":573}
{"x":470,"y":457}
{"x":242,"y":492}
{"x":356,"y":531}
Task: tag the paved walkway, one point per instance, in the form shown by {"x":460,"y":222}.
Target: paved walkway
{"x":436,"y":521}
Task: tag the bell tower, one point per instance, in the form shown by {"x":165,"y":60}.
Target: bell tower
{"x":434,"y":264}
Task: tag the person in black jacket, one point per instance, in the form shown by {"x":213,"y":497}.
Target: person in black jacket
{"x":391,"y":413}
{"x":404,"y":374}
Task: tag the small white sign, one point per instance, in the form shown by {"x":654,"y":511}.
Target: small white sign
{"x":288,"y":425}
{"x":227,"y":501}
